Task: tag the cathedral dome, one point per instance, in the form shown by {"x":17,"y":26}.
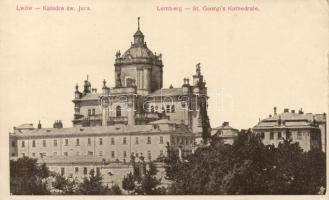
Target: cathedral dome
{"x":138,"y":52}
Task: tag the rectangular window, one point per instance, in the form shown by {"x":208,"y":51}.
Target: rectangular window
{"x":55,"y":153}
{"x":262,"y":135}
{"x":66,"y":153}
{"x":78,"y":153}
{"x":173,"y":140}
{"x":76,"y":170}
{"x":44,"y":143}
{"x":89,"y":141}
{"x":148,"y":140}
{"x":85,"y":170}
{"x":62,"y":171}
{"x":23,"y":144}
{"x":161,"y":139}
{"x":98,"y":170}
{"x":288,"y":135}
{"x":100,"y":141}
{"x":93,"y":113}
{"x":271,"y":136}
{"x":33,"y":143}
{"x":124,"y":140}
{"x":55,"y":143}
{"x":112,"y":154}
{"x":77,"y":142}
{"x":136,"y":140}
{"x":112,"y":141}
{"x":279,"y":136}
{"x":33,"y":154}
{"x":124,"y":154}
{"x":149,"y":155}
{"x":89,"y":112}
{"x":299,"y":135}
{"x":161,"y":152}
{"x":13,"y":143}
{"x":66,"y":142}
{"x":23,"y":154}
{"x":90,"y":153}
{"x":100,"y":153}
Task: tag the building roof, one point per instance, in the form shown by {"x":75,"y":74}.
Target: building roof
{"x":225,"y":130}
{"x":296,"y":116}
{"x":167,"y":92}
{"x":291,"y":120}
{"x":98,"y":131}
{"x":71,"y":159}
{"x":91,"y":96}
{"x":138,"y":52}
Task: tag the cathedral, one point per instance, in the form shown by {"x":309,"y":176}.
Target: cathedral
{"x":136,"y":118}
{"x":138,"y":96}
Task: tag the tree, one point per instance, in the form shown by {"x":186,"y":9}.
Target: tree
{"x":93,"y":185}
{"x":27,"y":177}
{"x":114,"y":190}
{"x":248,"y":167}
{"x":128,"y":182}
{"x":68,"y":186}
{"x":202,"y":105}
{"x":146,"y":183}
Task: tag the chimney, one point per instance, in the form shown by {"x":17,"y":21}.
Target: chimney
{"x":226,"y":123}
{"x":301,"y":111}
{"x":58,"y":124}
{"x":270,"y":116}
{"x":286,"y":110}
{"x":39,"y":125}
{"x":274,"y":110}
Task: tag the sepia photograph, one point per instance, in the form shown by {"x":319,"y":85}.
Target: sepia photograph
{"x":220,"y":98}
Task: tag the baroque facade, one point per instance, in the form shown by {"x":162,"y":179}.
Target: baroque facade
{"x":135,"y":118}
{"x":138,"y":96}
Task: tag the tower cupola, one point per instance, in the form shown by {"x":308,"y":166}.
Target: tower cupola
{"x":138,"y":36}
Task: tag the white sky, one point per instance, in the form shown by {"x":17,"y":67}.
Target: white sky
{"x":256,"y":60}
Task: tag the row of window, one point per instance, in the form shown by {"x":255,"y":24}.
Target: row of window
{"x":169,"y":109}
{"x":100,"y":141}
{"x":76,"y":170}
{"x":279,"y":135}
{"x":100,"y":153}
{"x":182,"y":140}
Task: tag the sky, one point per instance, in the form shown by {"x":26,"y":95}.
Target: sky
{"x":251,"y":61}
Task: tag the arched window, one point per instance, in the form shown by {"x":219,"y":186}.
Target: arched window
{"x":152,"y":109}
{"x":118,"y":111}
{"x":168,"y":108}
